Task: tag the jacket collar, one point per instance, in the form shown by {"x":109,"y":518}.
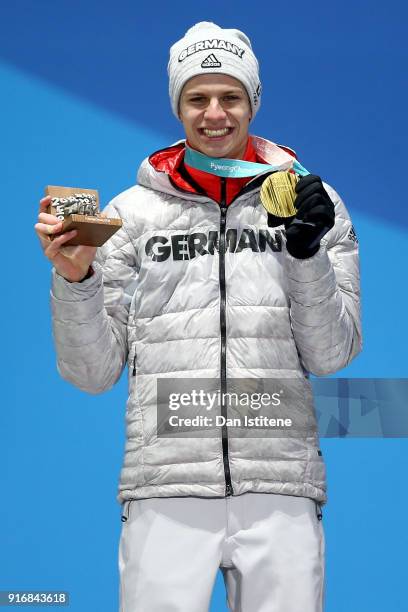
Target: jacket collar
{"x":164,"y":170}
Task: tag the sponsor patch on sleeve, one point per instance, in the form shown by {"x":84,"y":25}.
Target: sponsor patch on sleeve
{"x":352,"y":234}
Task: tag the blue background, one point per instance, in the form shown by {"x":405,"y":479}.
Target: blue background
{"x":84,"y":100}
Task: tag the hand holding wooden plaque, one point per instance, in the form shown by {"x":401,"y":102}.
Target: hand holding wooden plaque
{"x":79,"y":209}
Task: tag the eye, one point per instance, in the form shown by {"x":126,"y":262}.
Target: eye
{"x":197,"y":99}
{"x":231,"y":99}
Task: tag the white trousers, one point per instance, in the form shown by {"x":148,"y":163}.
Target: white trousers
{"x":269,"y":547}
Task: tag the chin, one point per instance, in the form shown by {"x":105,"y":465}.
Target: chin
{"x":214,"y":151}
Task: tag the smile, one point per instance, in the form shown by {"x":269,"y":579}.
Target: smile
{"x":216,"y":133}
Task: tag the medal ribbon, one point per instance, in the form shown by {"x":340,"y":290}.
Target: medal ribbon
{"x":235,"y":168}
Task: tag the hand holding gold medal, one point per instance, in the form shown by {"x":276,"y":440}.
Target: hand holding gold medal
{"x":303,"y":206}
{"x":300,"y":203}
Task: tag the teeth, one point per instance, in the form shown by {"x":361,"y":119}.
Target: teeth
{"x":214,"y":133}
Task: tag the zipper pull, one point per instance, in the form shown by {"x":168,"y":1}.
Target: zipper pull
{"x":125,"y":510}
{"x":228,"y":490}
{"x":134,"y":365}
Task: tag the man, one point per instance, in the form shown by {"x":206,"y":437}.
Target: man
{"x":197,"y":285}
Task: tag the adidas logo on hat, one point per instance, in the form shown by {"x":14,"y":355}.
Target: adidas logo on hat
{"x":211,"y":62}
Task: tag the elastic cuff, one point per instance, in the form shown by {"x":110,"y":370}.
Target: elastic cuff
{"x":310,"y":269}
{"x":76,"y":291}
{"x":90,"y":273}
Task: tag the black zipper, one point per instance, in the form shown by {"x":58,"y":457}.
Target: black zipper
{"x":223,"y":327}
{"x":134,"y":365}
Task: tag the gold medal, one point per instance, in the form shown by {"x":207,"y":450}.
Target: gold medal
{"x":278,"y":194}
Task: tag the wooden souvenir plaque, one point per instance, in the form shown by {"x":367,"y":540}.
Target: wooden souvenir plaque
{"x":79,"y":209}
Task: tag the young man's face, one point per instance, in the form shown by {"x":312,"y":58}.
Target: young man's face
{"x":215,"y":112}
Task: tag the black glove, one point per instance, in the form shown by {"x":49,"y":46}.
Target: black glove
{"x":314,"y":218}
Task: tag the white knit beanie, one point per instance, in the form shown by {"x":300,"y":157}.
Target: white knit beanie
{"x":206,"y":49}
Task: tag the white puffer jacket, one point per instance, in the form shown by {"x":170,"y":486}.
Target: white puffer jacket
{"x":191,"y":289}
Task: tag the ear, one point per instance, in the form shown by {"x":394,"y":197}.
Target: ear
{"x":250,"y":108}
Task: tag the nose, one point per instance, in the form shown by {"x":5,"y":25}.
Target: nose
{"x":214,"y":111}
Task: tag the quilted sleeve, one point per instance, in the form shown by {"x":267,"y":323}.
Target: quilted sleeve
{"x":324,"y":294}
{"x":90,"y":318}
